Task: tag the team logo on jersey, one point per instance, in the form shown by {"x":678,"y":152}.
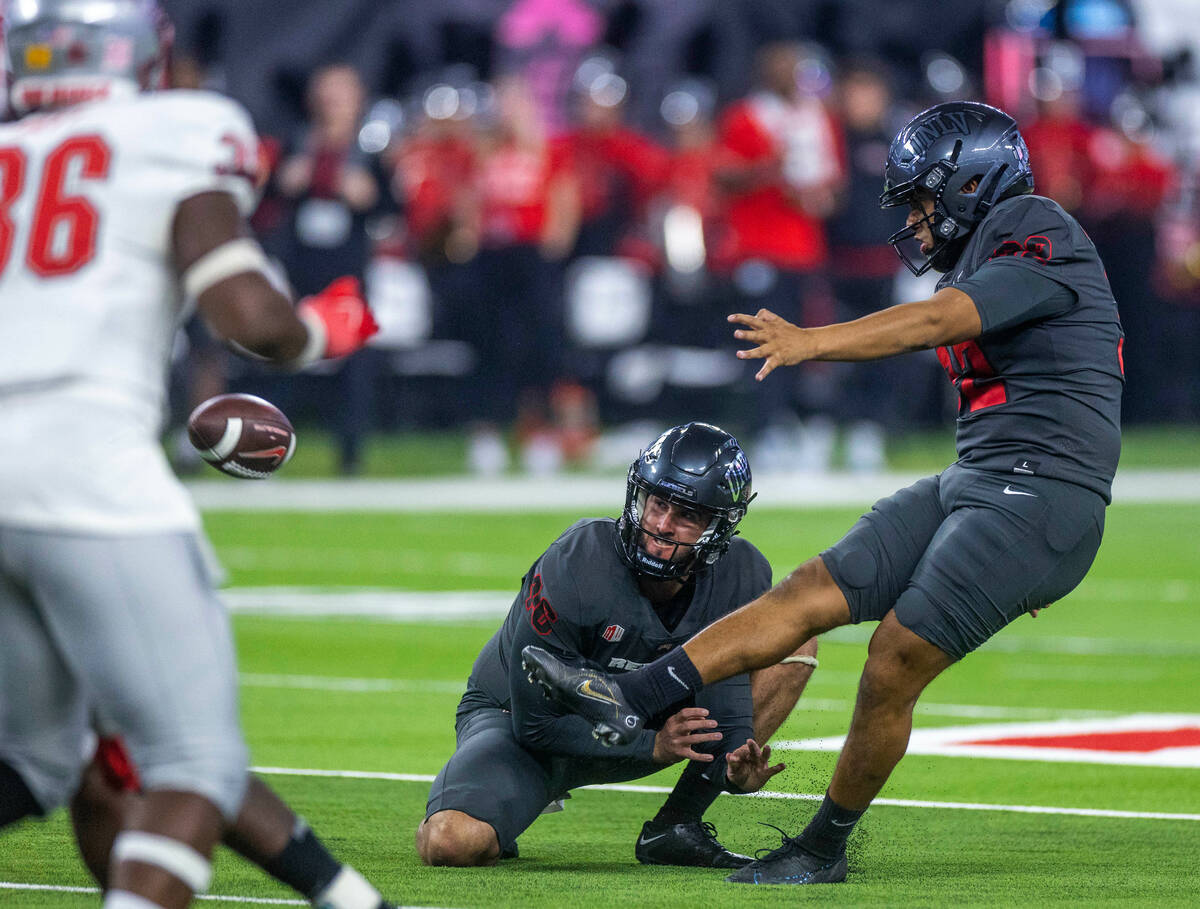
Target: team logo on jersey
{"x":613,"y":633}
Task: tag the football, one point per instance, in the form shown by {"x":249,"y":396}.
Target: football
{"x":242,"y":435}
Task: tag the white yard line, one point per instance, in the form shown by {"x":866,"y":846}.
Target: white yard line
{"x":604,"y":493}
{"x":212,"y":897}
{"x":395,"y":605}
{"x":457,"y":605}
{"x":352,"y":685}
{"x":349,"y":774}
{"x":792,"y":796}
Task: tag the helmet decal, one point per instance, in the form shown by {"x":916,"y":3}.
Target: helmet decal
{"x":942,"y":124}
{"x":737,"y":475}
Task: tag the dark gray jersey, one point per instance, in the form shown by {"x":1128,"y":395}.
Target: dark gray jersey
{"x":1040,"y":388}
{"x":580,"y":600}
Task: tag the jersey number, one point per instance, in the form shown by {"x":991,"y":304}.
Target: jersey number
{"x":541,"y":614}
{"x":973,"y":376}
{"x":63,"y":238}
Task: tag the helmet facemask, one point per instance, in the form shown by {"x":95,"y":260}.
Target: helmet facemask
{"x":696,"y":466}
{"x":949,"y":232}
{"x":683,"y":558}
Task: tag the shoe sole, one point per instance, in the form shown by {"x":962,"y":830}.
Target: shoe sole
{"x":601,"y":731}
{"x":836,"y":875}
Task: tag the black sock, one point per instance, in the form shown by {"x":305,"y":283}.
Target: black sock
{"x":16,"y":801}
{"x":305,"y":864}
{"x":826,"y":834}
{"x":692,"y":795}
{"x":661,"y":685}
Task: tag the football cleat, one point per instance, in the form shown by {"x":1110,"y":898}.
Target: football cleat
{"x":591,"y":694}
{"x":693,"y":844}
{"x":791,"y":864}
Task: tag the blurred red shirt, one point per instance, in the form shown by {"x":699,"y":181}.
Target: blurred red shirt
{"x":767,"y":221}
{"x":432,"y":170}
{"x":513,"y":181}
{"x":602,"y":158}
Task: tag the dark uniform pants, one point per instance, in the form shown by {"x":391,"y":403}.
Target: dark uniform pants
{"x":494,"y":779}
{"x":962,"y":554}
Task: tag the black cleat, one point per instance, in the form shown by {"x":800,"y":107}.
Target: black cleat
{"x":591,"y":694}
{"x":791,"y":864}
{"x":694,"y":845}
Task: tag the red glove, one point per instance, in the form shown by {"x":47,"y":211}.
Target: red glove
{"x":338,"y":319}
{"x":116,"y":765}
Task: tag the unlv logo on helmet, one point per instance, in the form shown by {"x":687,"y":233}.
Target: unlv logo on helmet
{"x":958,"y":122}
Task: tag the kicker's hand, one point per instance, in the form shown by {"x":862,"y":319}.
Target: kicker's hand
{"x":338,"y":319}
{"x":680,"y":735}
{"x":747,"y":768}
{"x":779,"y":342}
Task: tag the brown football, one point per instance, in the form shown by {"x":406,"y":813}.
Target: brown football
{"x":242,"y":435}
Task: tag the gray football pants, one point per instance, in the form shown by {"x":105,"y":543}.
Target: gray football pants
{"x":127,"y":628}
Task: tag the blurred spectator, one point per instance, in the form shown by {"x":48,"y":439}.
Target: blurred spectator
{"x":433,"y":179}
{"x":432,"y":172}
{"x":332,"y":187}
{"x":1121,"y":216}
{"x":544,"y":41}
{"x":780,"y":169}
{"x":874,"y":398}
{"x":689,"y":220}
{"x":1059,"y":142}
{"x":617,"y":167}
{"x":524,"y":220}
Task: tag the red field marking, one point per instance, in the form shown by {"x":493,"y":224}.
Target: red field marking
{"x":1140,"y":741}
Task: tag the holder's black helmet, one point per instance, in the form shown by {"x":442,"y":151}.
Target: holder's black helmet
{"x":698,"y":465}
{"x":940,"y":152}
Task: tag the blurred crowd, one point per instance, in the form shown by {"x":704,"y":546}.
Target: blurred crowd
{"x":552,"y":245}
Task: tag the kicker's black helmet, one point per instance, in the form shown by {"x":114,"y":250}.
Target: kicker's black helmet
{"x":696,"y":464}
{"x":940,"y":152}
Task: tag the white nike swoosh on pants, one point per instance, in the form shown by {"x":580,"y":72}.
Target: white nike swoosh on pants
{"x":1009,"y":491}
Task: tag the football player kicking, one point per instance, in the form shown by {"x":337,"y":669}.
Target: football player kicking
{"x":1027,"y":328}
{"x":618,"y":594}
{"x":120,"y":208}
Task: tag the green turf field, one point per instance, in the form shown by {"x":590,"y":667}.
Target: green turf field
{"x":378,"y":696}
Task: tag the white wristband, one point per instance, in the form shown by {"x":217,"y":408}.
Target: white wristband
{"x":172,"y":856}
{"x":231,"y":258}
{"x":806,"y":660}
{"x":318,"y":338}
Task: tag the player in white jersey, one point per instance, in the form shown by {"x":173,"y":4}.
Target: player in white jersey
{"x":119,"y":210}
